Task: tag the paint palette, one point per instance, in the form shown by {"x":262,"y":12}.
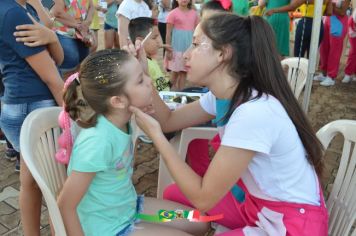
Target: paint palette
{"x":175,"y":100}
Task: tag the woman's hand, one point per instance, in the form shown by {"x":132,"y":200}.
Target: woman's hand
{"x":270,"y":12}
{"x":35,"y":34}
{"x":147,"y":123}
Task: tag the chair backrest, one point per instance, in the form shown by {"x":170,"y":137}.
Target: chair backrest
{"x":38,"y":144}
{"x":297,"y":75}
{"x":341,"y":203}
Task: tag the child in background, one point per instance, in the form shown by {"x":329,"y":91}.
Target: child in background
{"x":181,"y":22}
{"x":110,"y":26}
{"x":335,"y":31}
{"x":98,"y":197}
{"x":139,"y":28}
{"x":350,"y":68}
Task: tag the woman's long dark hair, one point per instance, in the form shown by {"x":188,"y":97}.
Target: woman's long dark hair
{"x":256,"y":65}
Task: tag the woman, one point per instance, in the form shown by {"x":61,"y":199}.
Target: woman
{"x":302,"y":39}
{"x":280,"y":25}
{"x":266,"y":140}
{"x":27,"y":61}
{"x":72,"y":21}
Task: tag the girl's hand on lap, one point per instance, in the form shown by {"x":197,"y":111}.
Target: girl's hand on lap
{"x":34,"y":35}
{"x":147,"y":123}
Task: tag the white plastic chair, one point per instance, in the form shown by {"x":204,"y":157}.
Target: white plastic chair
{"x":38,"y":144}
{"x":341,"y":203}
{"x":181,"y":142}
{"x":296,"y":77}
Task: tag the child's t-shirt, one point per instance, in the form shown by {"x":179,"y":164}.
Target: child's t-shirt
{"x":22,"y":84}
{"x":132,"y":9}
{"x":280,"y":167}
{"x":158,"y":79}
{"x":109,"y":204}
{"x":183,"y":20}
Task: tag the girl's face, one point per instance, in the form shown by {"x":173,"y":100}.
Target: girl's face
{"x":153,"y":43}
{"x":183,"y":3}
{"x":138,"y":87}
{"x":201,"y":59}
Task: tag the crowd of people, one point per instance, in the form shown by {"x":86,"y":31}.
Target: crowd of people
{"x":233,"y":49}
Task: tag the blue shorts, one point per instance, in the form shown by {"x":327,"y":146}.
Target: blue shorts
{"x":131,"y":227}
{"x":74,"y":51}
{"x":109,"y":27}
{"x":13,"y":116}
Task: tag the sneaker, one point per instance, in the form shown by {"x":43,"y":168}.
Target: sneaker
{"x":346,"y":79}
{"x":145,"y":139}
{"x":320,"y":77}
{"x":11,"y":154}
{"x":327,"y":82}
{"x":17,"y":166}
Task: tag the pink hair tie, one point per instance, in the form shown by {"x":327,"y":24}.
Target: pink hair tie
{"x":65,"y":140}
{"x":226,"y":4}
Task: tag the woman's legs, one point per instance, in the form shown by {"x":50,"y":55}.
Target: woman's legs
{"x":351,"y":59}
{"x":117,"y":40}
{"x":325,"y":47}
{"x":198,"y":155}
{"x":153,"y":205}
{"x":95,"y":47}
{"x":12,"y":118}
{"x":30,"y":202}
{"x":336,"y":47}
{"x":109,"y":36}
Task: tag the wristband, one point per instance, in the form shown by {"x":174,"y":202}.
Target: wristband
{"x":167,"y":216}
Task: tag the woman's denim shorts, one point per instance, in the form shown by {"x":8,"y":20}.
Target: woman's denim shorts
{"x":13,"y":116}
{"x":74,"y":51}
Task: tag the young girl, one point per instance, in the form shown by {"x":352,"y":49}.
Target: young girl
{"x":110,"y":26}
{"x":31,"y":80}
{"x":351,"y":59}
{"x":335,"y":30}
{"x":266,"y":140}
{"x":98,"y":197}
{"x":181,"y":22}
